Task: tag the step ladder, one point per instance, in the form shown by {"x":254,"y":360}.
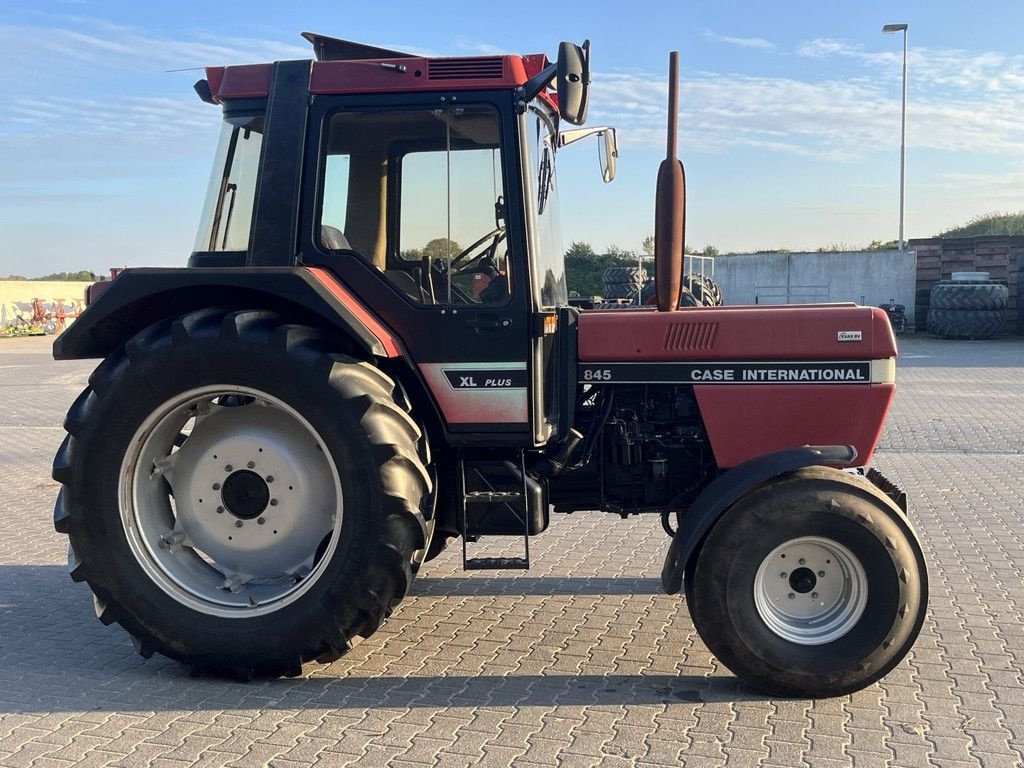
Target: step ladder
{"x":478,"y":503}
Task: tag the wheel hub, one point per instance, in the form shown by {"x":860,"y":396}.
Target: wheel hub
{"x":810,"y":590}
{"x":245,"y":494}
{"x":232,"y":500}
{"x":802,"y":580}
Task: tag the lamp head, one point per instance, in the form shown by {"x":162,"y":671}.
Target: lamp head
{"x":892,"y":29}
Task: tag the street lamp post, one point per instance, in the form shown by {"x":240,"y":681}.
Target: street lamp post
{"x":891,"y":29}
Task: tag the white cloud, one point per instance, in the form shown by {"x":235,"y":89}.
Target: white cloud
{"x":929,"y":68}
{"x":112,"y":46}
{"x":743,"y":42}
{"x":835,"y":120}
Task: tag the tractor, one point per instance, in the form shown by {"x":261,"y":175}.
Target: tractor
{"x":371,"y":355}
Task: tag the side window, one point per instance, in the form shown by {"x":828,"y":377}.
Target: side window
{"x":332,"y":222}
{"x":452,"y":219}
{"x":227,"y":214}
{"x":419,"y":194}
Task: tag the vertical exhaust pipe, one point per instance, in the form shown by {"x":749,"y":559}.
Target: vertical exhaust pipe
{"x":670,"y":207}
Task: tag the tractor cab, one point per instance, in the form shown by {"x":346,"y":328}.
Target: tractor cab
{"x":427,"y":187}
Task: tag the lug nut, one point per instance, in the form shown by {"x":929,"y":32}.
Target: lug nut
{"x":238,"y":523}
{"x":216,"y":486}
{"x":814,"y":595}
{"x":821,"y":573}
{"x":273,"y":502}
{"x":791,"y":595}
{"x":251,"y":464}
{"x":220,"y":510}
{"x":260,"y":521}
{"x":228,"y":468}
{"x":783,"y":575}
{"x":802,"y":561}
{"x":270,"y":478}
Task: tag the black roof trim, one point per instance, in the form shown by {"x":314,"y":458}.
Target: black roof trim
{"x":334,"y":49}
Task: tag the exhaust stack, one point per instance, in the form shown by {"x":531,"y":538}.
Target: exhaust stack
{"x":670,"y":207}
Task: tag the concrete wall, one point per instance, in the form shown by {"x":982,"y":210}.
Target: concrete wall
{"x":866,"y":277}
{"x":16,"y":297}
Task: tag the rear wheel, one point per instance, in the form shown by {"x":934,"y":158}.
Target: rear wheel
{"x":239,"y":496}
{"x":811,"y":585}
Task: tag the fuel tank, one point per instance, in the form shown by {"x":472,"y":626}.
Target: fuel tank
{"x":765,"y":378}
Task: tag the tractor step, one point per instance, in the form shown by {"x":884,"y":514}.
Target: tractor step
{"x":492,"y":496}
{"x":496,"y":564}
{"x":495,"y":500}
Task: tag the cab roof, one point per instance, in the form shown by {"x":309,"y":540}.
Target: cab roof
{"x":344,"y":66}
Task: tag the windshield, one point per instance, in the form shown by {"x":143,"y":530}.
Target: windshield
{"x":549,"y":259}
{"x":227,"y":213}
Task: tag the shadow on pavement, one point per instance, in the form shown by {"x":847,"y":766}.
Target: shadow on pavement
{"x":56,"y":657}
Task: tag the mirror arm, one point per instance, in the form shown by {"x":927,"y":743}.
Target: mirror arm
{"x":565,"y":138}
{"x":539,"y":82}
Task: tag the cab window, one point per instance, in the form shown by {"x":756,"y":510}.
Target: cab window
{"x":227,"y":213}
{"x":419,"y":194}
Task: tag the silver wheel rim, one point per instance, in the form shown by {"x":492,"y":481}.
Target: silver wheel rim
{"x":230,"y":501}
{"x":810,"y":590}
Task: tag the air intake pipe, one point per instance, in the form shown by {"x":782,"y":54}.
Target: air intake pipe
{"x":670,"y":207}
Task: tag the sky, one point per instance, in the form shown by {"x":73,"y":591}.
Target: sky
{"x":789,"y":123}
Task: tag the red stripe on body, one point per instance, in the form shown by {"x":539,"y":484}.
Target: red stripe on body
{"x":387,"y":339}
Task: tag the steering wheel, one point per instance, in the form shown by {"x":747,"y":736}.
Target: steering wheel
{"x":496,"y":235}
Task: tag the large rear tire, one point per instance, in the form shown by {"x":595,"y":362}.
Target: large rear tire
{"x":239,"y":495}
{"x":812,"y":585}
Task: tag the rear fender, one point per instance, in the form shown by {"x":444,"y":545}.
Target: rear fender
{"x":727,"y":488}
{"x":137,"y":298}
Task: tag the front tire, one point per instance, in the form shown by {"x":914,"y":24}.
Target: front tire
{"x":239,"y":495}
{"x":812,"y":585}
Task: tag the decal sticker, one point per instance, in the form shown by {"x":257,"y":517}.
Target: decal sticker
{"x":812,"y":372}
{"x":845,"y":336}
{"x":480,"y":392}
{"x":486,"y":378}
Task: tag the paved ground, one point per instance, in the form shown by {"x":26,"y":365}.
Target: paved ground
{"x":580,"y":662}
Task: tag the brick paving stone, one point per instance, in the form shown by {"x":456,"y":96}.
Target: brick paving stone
{"x":579,"y":662}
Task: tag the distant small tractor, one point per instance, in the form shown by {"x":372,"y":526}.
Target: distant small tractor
{"x":280,"y":434}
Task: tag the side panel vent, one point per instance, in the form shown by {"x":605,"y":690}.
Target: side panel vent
{"x":684,"y":337}
{"x":475,"y":68}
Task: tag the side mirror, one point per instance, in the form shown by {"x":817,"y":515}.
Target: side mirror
{"x":573,"y":81}
{"x":607,"y":147}
{"x":608,"y":152}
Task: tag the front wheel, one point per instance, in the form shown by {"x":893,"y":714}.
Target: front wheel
{"x":812,"y":585}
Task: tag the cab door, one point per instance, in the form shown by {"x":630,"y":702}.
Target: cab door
{"x":411,"y":213}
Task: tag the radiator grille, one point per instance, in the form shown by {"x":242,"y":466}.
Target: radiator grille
{"x":690,"y":336}
{"x":478,"y":68}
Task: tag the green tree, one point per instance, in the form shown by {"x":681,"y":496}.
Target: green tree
{"x":82,"y":276}
{"x":438,"y":248}
{"x":580,"y":250}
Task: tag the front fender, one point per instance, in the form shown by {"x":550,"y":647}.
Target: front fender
{"x":725,"y":489}
{"x":137,"y":298}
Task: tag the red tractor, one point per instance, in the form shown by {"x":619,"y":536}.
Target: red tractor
{"x":371,"y":353}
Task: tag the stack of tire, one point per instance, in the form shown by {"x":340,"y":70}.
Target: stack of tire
{"x":970,"y":306}
{"x":705,"y":290}
{"x":698,"y":291}
{"x":622,"y":283}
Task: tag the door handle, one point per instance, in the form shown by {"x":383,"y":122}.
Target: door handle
{"x":487,"y":322}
